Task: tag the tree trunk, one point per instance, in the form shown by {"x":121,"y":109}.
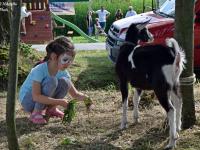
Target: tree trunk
{"x":184,"y":33}
{"x":4,"y":23}
{"x":12,"y":77}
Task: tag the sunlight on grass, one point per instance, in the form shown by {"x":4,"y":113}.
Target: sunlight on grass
{"x":93,"y":70}
{"x":80,"y":39}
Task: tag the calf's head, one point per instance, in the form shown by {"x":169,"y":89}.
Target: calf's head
{"x":138,"y":32}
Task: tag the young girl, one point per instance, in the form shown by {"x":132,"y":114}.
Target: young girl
{"x":118,"y":14}
{"x":98,"y":29}
{"x":48,"y":83}
{"x":25,"y":14}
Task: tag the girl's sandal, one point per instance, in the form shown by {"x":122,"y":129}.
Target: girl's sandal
{"x":55,"y":112}
{"x":37,"y":118}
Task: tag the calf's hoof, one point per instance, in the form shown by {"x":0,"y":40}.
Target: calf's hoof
{"x":123,"y":126}
{"x":168,"y":148}
{"x":135,"y":120}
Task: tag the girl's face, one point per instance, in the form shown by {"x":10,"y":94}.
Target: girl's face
{"x":65,"y":60}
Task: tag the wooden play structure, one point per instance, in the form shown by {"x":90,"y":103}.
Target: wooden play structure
{"x":43,"y":29}
{"x":41,"y":32}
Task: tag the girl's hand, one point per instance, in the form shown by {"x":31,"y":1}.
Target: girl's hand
{"x":82,"y":96}
{"x":63,"y":103}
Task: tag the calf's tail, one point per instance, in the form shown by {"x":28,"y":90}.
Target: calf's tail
{"x":179,"y":60}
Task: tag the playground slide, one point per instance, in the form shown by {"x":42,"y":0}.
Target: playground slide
{"x":73,"y":26}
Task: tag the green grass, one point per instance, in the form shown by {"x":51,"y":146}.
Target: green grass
{"x":80,"y":39}
{"x":94,"y":75}
{"x":93,"y":70}
{"x":82,"y":8}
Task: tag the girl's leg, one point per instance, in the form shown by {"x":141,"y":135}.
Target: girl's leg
{"x":29,"y":14}
{"x":36,"y":109}
{"x":23,"y":26}
{"x":49,"y":86}
{"x":28,"y":104}
{"x":62,"y":88}
{"x":60,"y":92}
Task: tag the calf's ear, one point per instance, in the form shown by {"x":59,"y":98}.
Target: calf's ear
{"x":143,"y":24}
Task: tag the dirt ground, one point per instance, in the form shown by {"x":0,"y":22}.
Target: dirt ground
{"x":98,"y":130}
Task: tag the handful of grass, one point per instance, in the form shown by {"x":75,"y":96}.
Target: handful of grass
{"x":69,"y":112}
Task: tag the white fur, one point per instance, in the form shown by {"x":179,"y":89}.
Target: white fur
{"x":168,"y":73}
{"x":136,"y":101}
{"x":130,"y":57}
{"x":177,"y":102}
{"x":172,"y":74}
{"x":180,"y":57}
{"x":124,"y":115}
{"x":172,"y":123}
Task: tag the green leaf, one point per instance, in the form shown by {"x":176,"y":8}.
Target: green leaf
{"x":88,"y":103}
{"x":66,"y":141}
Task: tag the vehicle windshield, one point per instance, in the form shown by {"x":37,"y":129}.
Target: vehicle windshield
{"x":167,"y":9}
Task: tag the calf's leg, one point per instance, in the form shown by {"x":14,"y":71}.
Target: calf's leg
{"x":136,"y":101}
{"x":164,"y":98}
{"x":124,"y":92}
{"x":177,"y":102}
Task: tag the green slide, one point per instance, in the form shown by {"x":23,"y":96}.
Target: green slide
{"x":73,"y":26}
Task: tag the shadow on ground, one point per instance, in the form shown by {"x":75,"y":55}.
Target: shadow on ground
{"x":152,"y":138}
{"x":23,"y":126}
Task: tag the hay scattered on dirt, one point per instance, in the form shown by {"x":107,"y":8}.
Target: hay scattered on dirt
{"x":98,"y":129}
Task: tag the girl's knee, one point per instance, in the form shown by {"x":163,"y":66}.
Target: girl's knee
{"x":27,"y":102}
{"x":51,"y":81}
{"x":64,"y":83}
{"x":49,"y":86}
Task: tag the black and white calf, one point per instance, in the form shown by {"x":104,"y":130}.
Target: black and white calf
{"x":151,"y":67}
